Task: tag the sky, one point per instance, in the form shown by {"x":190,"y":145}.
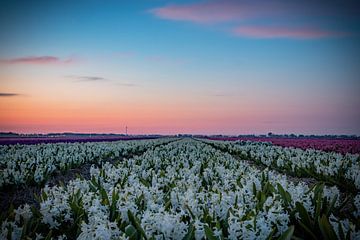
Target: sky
{"x":167,"y":67}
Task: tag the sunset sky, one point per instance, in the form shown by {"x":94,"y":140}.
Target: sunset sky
{"x":208,"y":67}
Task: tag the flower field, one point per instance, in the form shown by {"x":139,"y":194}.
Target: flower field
{"x":34,"y":163}
{"x":182,"y":188}
{"x":67,"y":139}
{"x":327,"y":145}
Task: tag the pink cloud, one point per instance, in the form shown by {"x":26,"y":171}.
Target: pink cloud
{"x":283,"y":32}
{"x":206,"y":12}
{"x":215,"y":11}
{"x":273,"y":12}
{"x":39,"y":60}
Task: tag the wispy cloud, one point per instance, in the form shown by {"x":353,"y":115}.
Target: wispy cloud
{"x":284,"y":32}
{"x":245,"y":16}
{"x":205,"y":12}
{"x":86,"y":78}
{"x":4,"y":94}
{"x":38,"y":60}
{"x":233,"y":10}
{"x":77,"y":78}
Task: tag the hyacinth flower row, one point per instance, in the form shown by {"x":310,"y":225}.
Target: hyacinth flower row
{"x":33,"y":164}
{"x":185,"y":190}
{"x":334,"y":168}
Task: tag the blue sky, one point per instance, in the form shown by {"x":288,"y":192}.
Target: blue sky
{"x":252,"y":63}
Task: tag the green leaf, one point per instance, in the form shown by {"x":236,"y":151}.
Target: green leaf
{"x":113,"y":208}
{"x":145,"y":182}
{"x":48,"y":237}
{"x":308,"y":231}
{"x":134,"y":221}
{"x":254,"y":189}
{"x":123,"y":181}
{"x":209,"y":233}
{"x":191,"y":214}
{"x":326,"y":229}
{"x":139,"y":201}
{"x":284,"y":194}
{"x":168,"y":205}
{"x":79,"y":176}
{"x":24,"y":231}
{"x":304,"y":216}
{"x":331,"y":206}
{"x":271,"y":234}
{"x":287,"y":234}
{"x":341,"y":232}
{"x":344,"y":203}
{"x":36,"y":212}
{"x":131,"y":232}
{"x":318,"y":198}
{"x":104,"y":196}
{"x":191,"y":233}
{"x":43,"y":196}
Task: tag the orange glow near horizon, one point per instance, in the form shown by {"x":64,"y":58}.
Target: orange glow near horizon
{"x":38,"y":116}
{"x":50,"y":110}
{"x":171,"y":115}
